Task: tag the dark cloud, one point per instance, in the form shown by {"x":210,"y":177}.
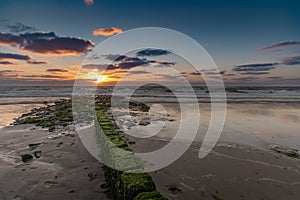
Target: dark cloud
{"x":162,"y":63}
{"x":9,"y":74}
{"x":208,"y":72}
{"x":152,"y":52}
{"x":247,"y":78}
{"x":255,"y":67}
{"x":7,"y":39}
{"x":47,"y":43}
{"x":140,"y":61}
{"x":274,"y":77}
{"x":293,"y":60}
{"x":19,"y":27}
{"x":47,"y":76}
{"x":57,"y":70}
{"x":37,"y":62}
{"x":255,"y":73}
{"x":6,"y":63}
{"x":196,"y":73}
{"x":281,"y":44}
{"x":229,"y":74}
{"x":14,"y":56}
{"x":122,"y":62}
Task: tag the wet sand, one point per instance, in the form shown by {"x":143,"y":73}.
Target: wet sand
{"x":242,"y":165}
{"x":65,"y":169}
{"x":230,"y":171}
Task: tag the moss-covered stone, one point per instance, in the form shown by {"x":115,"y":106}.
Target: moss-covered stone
{"x":117,"y":153}
{"x":150,"y":196}
{"x":132,"y":184}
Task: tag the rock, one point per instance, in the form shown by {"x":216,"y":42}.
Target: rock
{"x":26,"y":158}
{"x":71,"y":191}
{"x":37,"y":154}
{"x":174,"y":189}
{"x":19,"y":197}
{"x":33,"y":146}
{"x":92,"y":176}
{"x":285,"y":151}
{"x":144,"y":122}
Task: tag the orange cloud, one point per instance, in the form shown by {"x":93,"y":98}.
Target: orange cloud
{"x":89,"y":2}
{"x":107,"y":31}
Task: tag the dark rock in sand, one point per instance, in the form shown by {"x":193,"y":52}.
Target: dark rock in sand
{"x":144,"y":122}
{"x":33,"y":146}
{"x":37,"y":154}
{"x":174,"y":189}
{"x":26,"y":158}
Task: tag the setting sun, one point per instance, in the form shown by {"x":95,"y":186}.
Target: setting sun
{"x":96,"y":77}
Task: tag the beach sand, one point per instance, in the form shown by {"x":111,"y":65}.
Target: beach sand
{"x":65,"y":169}
{"x":230,"y":171}
{"x":241,"y":166}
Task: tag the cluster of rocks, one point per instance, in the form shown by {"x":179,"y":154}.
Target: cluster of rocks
{"x":58,"y":115}
{"x":285,"y":151}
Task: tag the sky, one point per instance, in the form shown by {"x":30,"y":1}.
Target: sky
{"x":251,"y":42}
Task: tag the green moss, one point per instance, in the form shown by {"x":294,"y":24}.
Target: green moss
{"x":216,"y":197}
{"x":289,"y":153}
{"x":133,"y":184}
{"x":51,"y":128}
{"x":117,"y":152}
{"x":31,"y":120}
{"x":150,"y":196}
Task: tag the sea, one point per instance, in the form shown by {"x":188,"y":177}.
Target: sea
{"x":16,"y":100}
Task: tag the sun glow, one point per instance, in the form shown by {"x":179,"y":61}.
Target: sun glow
{"x":96,"y":77}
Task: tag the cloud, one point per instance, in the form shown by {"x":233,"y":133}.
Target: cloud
{"x":9,"y":74}
{"x":127,"y":62}
{"x":46,"y":43}
{"x":37,"y":62}
{"x":7,"y":39}
{"x":293,"y":60}
{"x":89,"y":2}
{"x":281,"y":44}
{"x":152,"y":52}
{"x":6,"y":63}
{"x":274,"y":77}
{"x":136,"y":72}
{"x":13,"y":56}
{"x":107,"y":31}
{"x":57,"y":70}
{"x":47,"y":76}
{"x":208,"y":72}
{"x":229,"y":74}
{"x":214,"y":72}
{"x":247,"y":78}
{"x":196,"y":73}
{"x":255,"y":73}
{"x":19,"y":27}
{"x":255,"y":67}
